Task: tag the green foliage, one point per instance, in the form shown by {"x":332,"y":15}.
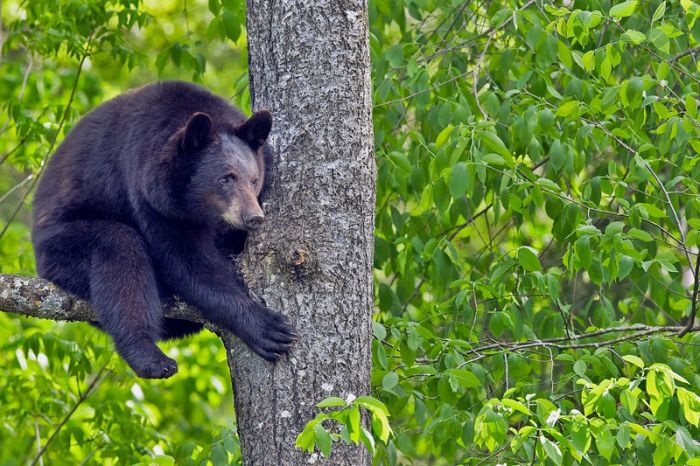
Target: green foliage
{"x":316,"y":435}
{"x":537,"y":227}
{"x":538,"y":180}
{"x":609,"y":424}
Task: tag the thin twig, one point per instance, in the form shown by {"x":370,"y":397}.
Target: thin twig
{"x":563,"y":319}
{"x":422,"y":91}
{"x":675,"y":214}
{"x":7,"y":154}
{"x":692,"y":51}
{"x":495,"y":453}
{"x":95,"y":382}
{"x":694,"y":305}
{"x":16,"y":187}
{"x":38,"y":440}
{"x":636,"y":332}
{"x":90,"y":455}
{"x":64,"y":117}
{"x":467,"y":223}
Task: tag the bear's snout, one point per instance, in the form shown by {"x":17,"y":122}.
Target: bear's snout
{"x":253,"y":222}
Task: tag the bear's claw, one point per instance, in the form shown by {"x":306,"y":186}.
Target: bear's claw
{"x":154,"y":365}
{"x":268,"y":333}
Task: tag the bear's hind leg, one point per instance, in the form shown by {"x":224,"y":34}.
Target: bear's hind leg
{"x":124,"y":293}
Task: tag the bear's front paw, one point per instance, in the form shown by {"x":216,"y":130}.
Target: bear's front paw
{"x":268,"y":333}
{"x":151,"y":363}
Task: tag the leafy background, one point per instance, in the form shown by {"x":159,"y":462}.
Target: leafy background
{"x":535,"y":248}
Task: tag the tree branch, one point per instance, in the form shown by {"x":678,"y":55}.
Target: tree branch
{"x":694,"y":303}
{"x":691,"y":51}
{"x":633,"y":332}
{"x":35,"y":297}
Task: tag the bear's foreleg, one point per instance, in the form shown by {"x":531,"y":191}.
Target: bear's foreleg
{"x":207,"y":280}
{"x":124,"y":293}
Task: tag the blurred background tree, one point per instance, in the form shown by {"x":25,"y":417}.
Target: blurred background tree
{"x":536,"y":240}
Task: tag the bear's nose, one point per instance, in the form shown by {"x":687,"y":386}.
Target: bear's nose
{"x":254,"y":221}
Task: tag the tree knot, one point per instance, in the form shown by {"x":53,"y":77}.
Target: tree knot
{"x":300,"y":260}
{"x":297,"y":257}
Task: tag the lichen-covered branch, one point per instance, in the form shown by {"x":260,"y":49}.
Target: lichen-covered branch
{"x":35,"y":297}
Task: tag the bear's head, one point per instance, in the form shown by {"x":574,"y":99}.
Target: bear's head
{"x":216,"y":171}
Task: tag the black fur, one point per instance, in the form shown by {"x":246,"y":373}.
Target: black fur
{"x":130,"y":210}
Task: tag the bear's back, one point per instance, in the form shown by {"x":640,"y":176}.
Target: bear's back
{"x":95,"y":170}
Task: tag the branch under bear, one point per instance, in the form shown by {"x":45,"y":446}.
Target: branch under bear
{"x":35,"y":297}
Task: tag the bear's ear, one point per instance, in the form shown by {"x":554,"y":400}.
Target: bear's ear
{"x":197,"y":132}
{"x":256,"y":130}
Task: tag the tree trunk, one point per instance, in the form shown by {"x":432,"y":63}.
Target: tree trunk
{"x":312,"y":260}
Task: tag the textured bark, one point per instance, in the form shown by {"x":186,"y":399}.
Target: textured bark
{"x":309,"y":65}
{"x":35,"y":297}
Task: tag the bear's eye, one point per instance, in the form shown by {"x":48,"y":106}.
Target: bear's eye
{"x":255,"y":181}
{"x":227,"y":179}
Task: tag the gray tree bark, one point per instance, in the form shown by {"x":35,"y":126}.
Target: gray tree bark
{"x":312,"y":260}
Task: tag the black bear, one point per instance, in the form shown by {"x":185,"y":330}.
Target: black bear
{"x":144,"y":199}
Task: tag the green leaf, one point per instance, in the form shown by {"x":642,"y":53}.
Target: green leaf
{"x":652,"y":210}
{"x":558,"y":155}
{"x":604,"y":442}
{"x":380,"y":421}
{"x":528,"y":260}
{"x":690,"y":402}
{"x":568,"y":108}
{"x":458,"y":182}
{"x":464,"y":377}
{"x":232,"y":25}
{"x":580,"y":434}
{"x":516,"y":406}
{"x":493,"y":159}
{"x":378,"y":330}
{"x":214,"y":7}
{"x":622,"y":10}
{"x":323,"y":440}
{"x":548,"y":184}
{"x":588,"y":60}
{"x":659,"y":12}
{"x":331,"y":402}
{"x":368,"y":440}
{"x":605,"y":67}
{"x":493,"y":142}
{"x":629,"y":399}
{"x":633,"y":36}
{"x":372,"y":404}
{"x":626,"y":265}
{"x":305,"y":440}
{"x":583,"y":251}
{"x":390,"y":380}
{"x":551,"y":450}
{"x":632,"y":359}
{"x":641,"y":235}
{"x":219,"y":454}
{"x":443,"y":136}
{"x":354,"y":425}
{"x":606,"y":406}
